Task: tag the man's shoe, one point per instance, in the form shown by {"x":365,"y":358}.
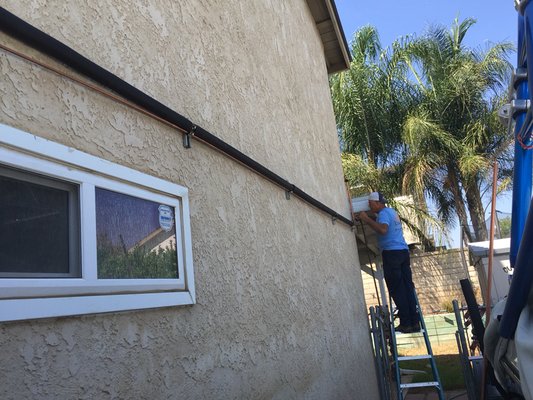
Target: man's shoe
{"x":412,"y":328}
{"x":402,"y":328}
{"x":408,"y":328}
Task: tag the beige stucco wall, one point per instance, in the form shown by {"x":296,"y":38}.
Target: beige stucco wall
{"x":280,"y":308}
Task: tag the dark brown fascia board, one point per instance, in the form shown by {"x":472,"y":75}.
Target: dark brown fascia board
{"x":327,"y":19}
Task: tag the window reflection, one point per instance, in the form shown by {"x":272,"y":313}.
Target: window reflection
{"x":136,"y":238}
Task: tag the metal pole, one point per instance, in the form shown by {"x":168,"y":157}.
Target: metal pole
{"x":489,"y":274}
{"x":383,"y":316}
{"x":377,"y":353}
{"x":381,"y":278}
{"x":464,"y":353}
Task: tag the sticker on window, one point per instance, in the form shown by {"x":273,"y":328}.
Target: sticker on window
{"x":166,"y":218}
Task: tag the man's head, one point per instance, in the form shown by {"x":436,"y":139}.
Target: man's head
{"x":376,"y":202}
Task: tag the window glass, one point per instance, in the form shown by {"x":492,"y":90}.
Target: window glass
{"x":136,"y":238}
{"x":66,"y":215}
{"x":38,"y":226}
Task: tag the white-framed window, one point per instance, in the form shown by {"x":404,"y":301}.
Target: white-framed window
{"x":80,"y":235}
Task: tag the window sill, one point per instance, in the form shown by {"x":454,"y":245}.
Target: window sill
{"x":23,"y":309}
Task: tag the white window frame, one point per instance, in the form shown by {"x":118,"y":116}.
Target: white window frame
{"x":28,"y":298}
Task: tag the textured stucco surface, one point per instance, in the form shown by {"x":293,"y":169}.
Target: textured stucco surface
{"x":280,"y":310}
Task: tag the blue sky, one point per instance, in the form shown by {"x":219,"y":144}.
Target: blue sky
{"x":496,"y":19}
{"x":496,"y":22}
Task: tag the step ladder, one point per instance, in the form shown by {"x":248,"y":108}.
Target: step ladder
{"x":402,"y":388}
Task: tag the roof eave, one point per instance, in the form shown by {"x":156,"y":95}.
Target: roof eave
{"x":336,"y":50}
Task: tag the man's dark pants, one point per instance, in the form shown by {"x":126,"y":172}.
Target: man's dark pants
{"x":399,"y":279}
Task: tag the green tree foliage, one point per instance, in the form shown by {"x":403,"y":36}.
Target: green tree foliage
{"x":453,"y":134}
{"x":371,"y":100}
{"x":505,"y":227}
{"x":116,"y":262}
{"x":420,"y":118}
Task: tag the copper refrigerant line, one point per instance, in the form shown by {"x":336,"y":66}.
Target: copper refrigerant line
{"x":129,"y":96}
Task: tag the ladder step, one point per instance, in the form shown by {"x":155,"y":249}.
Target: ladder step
{"x":421,"y":331}
{"x":421,"y":357}
{"x":419,"y":384}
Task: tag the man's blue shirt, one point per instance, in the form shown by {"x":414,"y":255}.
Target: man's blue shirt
{"x":393,"y":239}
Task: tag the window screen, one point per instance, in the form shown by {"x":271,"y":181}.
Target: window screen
{"x":39,"y":226}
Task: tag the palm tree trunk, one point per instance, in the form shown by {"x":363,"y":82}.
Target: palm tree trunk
{"x":455,"y":188}
{"x":475,"y":208}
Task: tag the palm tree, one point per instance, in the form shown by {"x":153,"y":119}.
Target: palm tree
{"x":371,"y":102}
{"x":419,"y":118}
{"x":452,"y":135}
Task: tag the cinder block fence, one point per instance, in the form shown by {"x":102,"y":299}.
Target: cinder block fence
{"x":436,"y":276}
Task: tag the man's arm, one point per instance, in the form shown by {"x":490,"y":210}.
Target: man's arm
{"x":381,"y":229}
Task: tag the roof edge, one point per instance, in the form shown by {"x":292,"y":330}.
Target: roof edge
{"x":342,"y":37}
{"x":336,"y":50}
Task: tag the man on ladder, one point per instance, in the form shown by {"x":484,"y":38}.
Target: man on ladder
{"x":399,"y":279}
{"x":396,"y":261}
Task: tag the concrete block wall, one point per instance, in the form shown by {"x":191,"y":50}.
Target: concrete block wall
{"x":436,"y":276}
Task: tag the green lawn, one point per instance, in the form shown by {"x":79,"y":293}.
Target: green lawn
{"x":449,"y":366}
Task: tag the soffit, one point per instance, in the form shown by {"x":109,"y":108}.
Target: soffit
{"x":329,"y":27}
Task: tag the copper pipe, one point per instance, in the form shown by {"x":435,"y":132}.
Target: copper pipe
{"x":89,"y":85}
{"x":135,"y":107}
{"x":489,"y":272}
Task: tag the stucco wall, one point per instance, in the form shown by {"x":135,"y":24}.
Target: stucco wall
{"x":280,"y":309}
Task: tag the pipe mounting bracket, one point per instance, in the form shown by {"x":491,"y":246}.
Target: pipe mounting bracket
{"x":187,"y":137}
